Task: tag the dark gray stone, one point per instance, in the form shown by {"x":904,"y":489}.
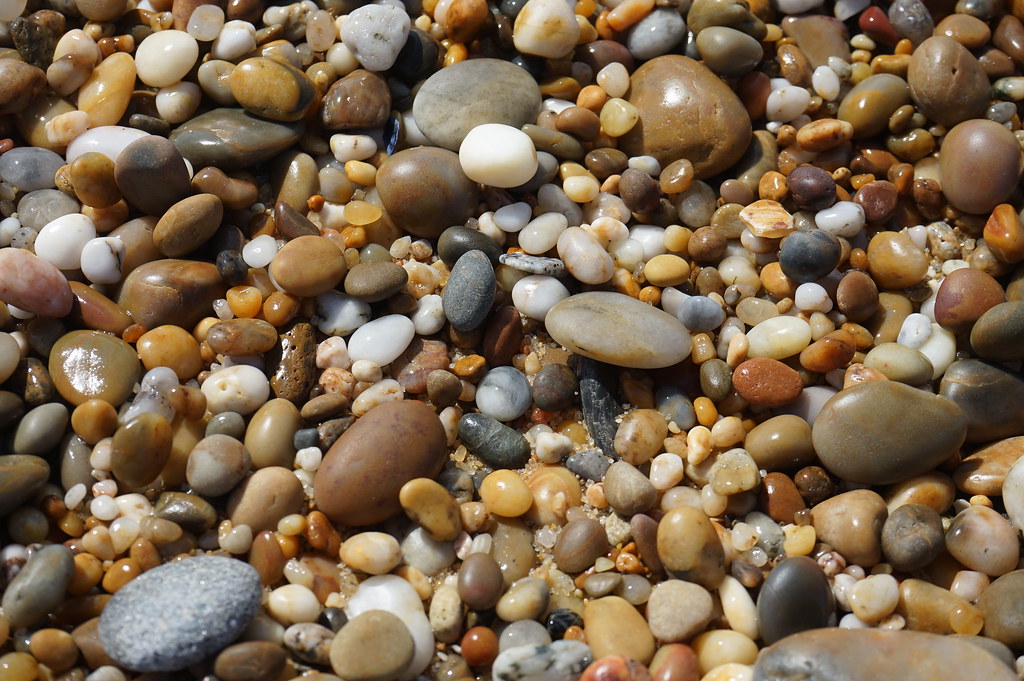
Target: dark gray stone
{"x":232,"y":139}
{"x":468,"y":296}
{"x":795,"y":597}
{"x":495,"y":443}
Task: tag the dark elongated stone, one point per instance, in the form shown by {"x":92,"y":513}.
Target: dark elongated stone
{"x":600,"y":402}
{"x":795,"y":597}
{"x":495,"y":443}
{"x":991,"y":397}
{"x":470,"y":291}
{"x":233,"y":138}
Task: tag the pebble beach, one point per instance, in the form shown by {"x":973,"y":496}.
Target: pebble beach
{"x":511,"y":340}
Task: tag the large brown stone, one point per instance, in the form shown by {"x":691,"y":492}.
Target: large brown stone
{"x":424,"y":191}
{"x":179,"y":292}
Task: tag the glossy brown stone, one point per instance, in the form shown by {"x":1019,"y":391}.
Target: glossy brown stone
{"x":179,"y":292}
{"x":852,"y":523}
{"x":359,"y":100}
{"x":980,"y":165}
{"x":946,"y":82}
{"x":424,"y":191}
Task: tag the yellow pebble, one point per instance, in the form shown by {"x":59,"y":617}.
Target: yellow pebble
{"x":667,"y":270}
{"x":361,"y":212}
{"x":707,"y":414}
{"x":618,"y":117}
{"x":703,"y":348}
{"x":245,"y":301}
{"x":18,"y":667}
{"x":799,"y":540}
{"x":361,"y":172}
{"x":505,"y":494}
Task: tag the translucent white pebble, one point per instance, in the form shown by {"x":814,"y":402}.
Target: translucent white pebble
{"x":61,"y":241}
{"x":206,"y":22}
{"x":165,"y":57}
{"x":916,"y":330}
{"x":739,"y":608}
{"x":176,"y":103}
{"x":797,"y":6}
{"x":382,"y":340}
{"x":8,"y":226}
{"x":825,"y":81}
{"x":498,"y":155}
{"x":333,"y":352}
{"x":666,"y":471}
{"x":153,"y":395}
{"x":109,"y":140}
{"x":614,"y":79}
{"x":75,"y":496}
{"x":78,"y":42}
{"x":375,"y":553}
{"x":843,"y":218}
{"x":397,"y":596}
{"x":846,"y":9}
{"x":352,"y":147}
{"x":345,"y":62}
{"x":260,"y":251}
{"x":534,"y":295}
{"x":627,"y":253}
{"x":388,"y":390}
{"x":647,"y":164}
{"x":309,"y":458}
{"x":811,"y":297}
{"x":546,"y":28}
{"x":102,"y":259}
{"x":513,"y":217}
{"x":940,"y":349}
{"x":584,"y":257}
{"x":874,"y":597}
{"x":293,"y":603}
{"x":541,"y":234}
{"x":239,"y":388}
{"x":553,"y":447}
{"x":651,"y":237}
{"x":786,"y":103}
{"x":103,"y":507}
{"x":429,"y":316}
{"x":779,"y":337}
{"x":236,"y":39}
{"x":338,"y":314}
{"x":62,"y":129}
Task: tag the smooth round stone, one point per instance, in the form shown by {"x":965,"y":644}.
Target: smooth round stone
{"x":534,"y":295}
{"x":671,"y":94}
{"x":767,"y":382}
{"x":20,"y":83}
{"x":868,"y":105}
{"x":107,"y":91}
{"x":151,"y":174}
{"x":373,"y":646}
{"x":852,"y":523}
{"x":656,"y":34}
{"x":375,"y":281}
{"x":580,"y":543}
{"x":382,"y":340}
{"x":796,"y":596}
{"x":847,"y":654}
{"x":479,"y":581}
{"x":996,"y":334}
{"x":241,"y":337}
{"x":359,"y":100}
{"x":545,"y":28}
{"x":614,"y":328}
{"x":525,"y":600}
{"x":947,"y":83}
{"x":809,"y":255}
{"x":89,"y":365}
{"x":424,"y":190}
{"x":140,"y":449}
{"x":39,"y":587}
{"x":689,"y":547}
{"x":640,"y":436}
{"x":359,"y":481}
{"x":36,"y":209}
{"x":180,"y":613}
{"x":983,"y":540}
{"x":964,"y":296}
{"x":177,"y":292}
{"x":503,"y":394}
{"x":216,"y":464}
{"x":469,"y":293}
{"x":852,"y":433}
{"x":857,"y":296}
{"x":912,"y":537}
{"x":678,"y":610}
{"x":781,"y":443}
{"x":990,"y":397}
{"x":554,"y":387}
{"x":727,"y":51}
{"x":1002,"y":604}
{"x":700,"y":314}
{"x":429,"y":505}
{"x":40,"y":429}
{"x":32,"y":284}
{"x":991,"y":180}
{"x":984,"y":471}
{"x":457,"y":240}
{"x":495,"y":443}
{"x":498,"y":155}
{"x":188,"y":224}
{"x":270,"y":435}
{"x":29,"y":168}
{"x":779,"y":337}
{"x":240,"y":388}
{"x":615,"y":627}
{"x":376,"y":34}
{"x":265,"y":497}
{"x":233,"y":138}
{"x":20,"y":478}
{"x":466,"y":94}
{"x":61,"y":242}
{"x":374,"y":553}
{"x":165,"y":57}
{"x":900,"y":363}
{"x":628,"y":490}
{"x":192,"y":513}
{"x":308,"y":266}
{"x":92,"y":176}
{"x":272,"y":89}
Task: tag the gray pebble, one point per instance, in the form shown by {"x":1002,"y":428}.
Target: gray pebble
{"x":795,"y":597}
{"x":427,"y":554}
{"x":42,"y":206}
{"x":589,"y":464}
{"x":467,"y":297}
{"x":700,"y":314}
{"x":456,"y":241}
{"x":674,"y":405}
{"x":504,"y":393}
{"x":911,"y":19}
{"x":39,"y":587}
{"x":628,"y":490}
{"x":534,"y":264}
{"x":226,"y":423}
{"x":30,"y":168}
{"x":41,"y":429}
{"x":495,"y":443}
{"x":180,"y":613}
{"x":524,"y":633}
{"x":656,"y":34}
{"x":216,"y":464}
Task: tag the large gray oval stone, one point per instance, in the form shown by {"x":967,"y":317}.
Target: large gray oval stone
{"x":233,"y":138}
{"x":614,"y":328}
{"x":991,"y":397}
{"x":180,"y":613}
{"x":39,"y":587}
{"x":883,"y":432}
{"x":464,"y":95}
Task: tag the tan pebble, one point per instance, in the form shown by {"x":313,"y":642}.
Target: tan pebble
{"x":895,"y":261}
{"x":430,"y":506}
{"x":173,"y":347}
{"x":852,"y":523}
{"x":927,"y":607}
{"x":107,"y":92}
{"x":767,"y":219}
{"x":374,"y":553}
{"x":120,"y":573}
{"x":373,"y":646}
{"x":94,"y":420}
{"x":667,"y":270}
{"x":689,"y":547}
{"x":614,"y":627}
{"x":308,"y":266}
{"x":934,"y":490}
{"x":54,"y":648}
{"x":723,"y":646}
{"x":639,"y":436}
{"x":92,"y":175}
{"x":824,"y":134}
{"x":984,"y":471}
{"x":264,"y":498}
{"x":140,"y":448}
{"x":250,"y":661}
{"x":1004,"y":234}
{"x":270,"y":435}
{"x":555,"y":490}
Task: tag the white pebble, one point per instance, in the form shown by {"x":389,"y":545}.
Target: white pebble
{"x":176,"y":103}
{"x":646,"y":164}
{"x":239,"y":388}
{"x":940,"y":349}
{"x":811,"y":297}
{"x":338,"y":314}
{"x":513,"y":217}
{"x":75,"y":496}
{"x":739,"y":608}
{"x":109,"y":140}
{"x":666,"y":471}
{"x":165,"y":57}
{"x":293,"y":603}
{"x":546,"y":28}
{"x":333,"y":352}
{"x":786,"y":103}
{"x":429,"y":316}
{"x":382,"y":340}
{"x":614,"y":79}
{"x":553,"y":447}
{"x":843,"y":218}
{"x":366,"y":370}
{"x":103,"y":507}
{"x":916,"y":330}
{"x":260,"y":251}
{"x":874,"y":597}
{"x":102,"y":259}
{"x":206,"y":22}
{"x":236,"y":39}
{"x":779,"y":337}
{"x":134,"y":506}
{"x":498,"y":155}
{"x":535,"y":294}
{"x":237,"y":540}
{"x":388,"y":390}
{"x":584,"y":257}
{"x":376,"y":34}
{"x":628,"y":253}
{"x":309,"y":458}
{"x":541,"y":234}
{"x":61,"y":241}
{"x":352,"y":147}
{"x":651,"y":237}
{"x":825,"y":82}
{"x":374,"y":553}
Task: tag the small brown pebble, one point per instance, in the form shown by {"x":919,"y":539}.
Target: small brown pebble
{"x":250,"y":661}
{"x":767,"y":382}
{"x":780,"y":497}
{"x":814,"y":484}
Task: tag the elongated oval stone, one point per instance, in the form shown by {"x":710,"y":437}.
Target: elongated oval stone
{"x":853,"y":434}
{"x":32,"y":284}
{"x":39,"y":587}
{"x":179,"y":292}
{"x":272,"y":89}
{"x":470,"y":291}
{"x":991,"y":398}
{"x":495,"y":443}
{"x":233,"y":138}
{"x":614,"y":328}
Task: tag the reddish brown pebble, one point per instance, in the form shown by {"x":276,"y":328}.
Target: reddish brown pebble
{"x":615,"y":668}
{"x":1004,"y":234}
{"x":780,"y":498}
{"x":479,"y":646}
{"x":767,"y":382}
{"x":675,"y":662}
{"x":33,"y":284}
{"x":964,"y":296}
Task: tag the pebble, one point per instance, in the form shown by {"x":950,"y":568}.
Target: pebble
{"x":375,"y":281}
{"x":766,"y":382}
{"x":689,"y":548}
{"x":987,"y":395}
{"x":29,"y":168}
{"x":997,"y":176}
{"x":216,"y":464}
{"x":39,"y":586}
{"x":496,"y":444}
{"x":22,"y":476}
{"x":912,"y":537}
{"x":359,"y":100}
{"x":250,"y":661}
{"x":382,"y":340}
{"x":561,"y":660}
{"x":868,"y":105}
{"x":425,"y":191}
{"x":394,"y":595}
{"x":678,"y":610}
{"x":308,"y":266}
{"x":900,"y":363}
{"x":614,"y":627}
{"x":504,"y":394}
{"x":947,"y":83}
{"x":232,"y":139}
{"x":178,"y":614}
{"x":88,"y":365}
{"x":983,"y":540}
{"x":33,"y":284}
{"x":272,"y":89}
{"x":1000,"y":604}
{"x":376,"y":34}
{"x":498,"y":155}
{"x":470,"y":291}
{"x":170,"y":291}
{"x":850,"y":434}
{"x":958,"y":310}
{"x":164,"y":58}
{"x":852,"y":523}
{"x":265,"y":497}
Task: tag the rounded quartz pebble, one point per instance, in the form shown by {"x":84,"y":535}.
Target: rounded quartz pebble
{"x":382,"y":340}
{"x":504,"y":394}
{"x":180,"y":613}
{"x":241,"y":388}
{"x":165,"y":57}
{"x":498,"y":155}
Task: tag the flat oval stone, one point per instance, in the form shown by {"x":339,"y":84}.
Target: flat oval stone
{"x":852,"y":654}
{"x":272,"y":89}
{"x":868,"y":105}
{"x":464,"y":95}
{"x":767,"y":382}
{"x":308,"y":266}
{"x":580,"y":543}
{"x":997,"y":333}
{"x":20,"y":477}
{"x":152,"y":175}
{"x":375,"y":281}
{"x":1002,"y":604}
{"x":795,"y":597}
{"x":616,"y":628}
{"x":178,"y":292}
{"x":39,"y":587}
{"x":89,"y":365}
{"x":30,"y":283}
{"x":469,"y":293}
{"x":614,"y":328}
{"x":241,"y":337}
{"x":359,"y":481}
{"x":232,"y":139}
{"x":781,"y":443}
{"x":912,"y":537}
{"x":424,"y":190}
{"x":964,"y":296}
{"x":686,"y":111}
{"x":853,"y":432}
{"x":265,"y":497}
{"x":689,"y":547}
{"x":495,"y":443}
{"x":991,"y":398}
{"x":180,"y":613}
{"x":980,"y":165}
{"x":372,"y":646}
{"x":188,"y":224}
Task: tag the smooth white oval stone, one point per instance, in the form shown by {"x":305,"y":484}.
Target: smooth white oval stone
{"x":382,"y":340}
{"x":77,"y":41}
{"x":397,"y":596}
{"x":206,"y":22}
{"x":338,"y":314}
{"x":779,"y":337}
{"x":241,"y":388}
{"x":672,"y":300}
{"x":824,"y":79}
{"x":916,"y":330}
{"x":786,"y":103}
{"x":176,"y":103}
{"x":628,"y":253}
{"x":545,"y":28}
{"x":352,"y":147}
{"x":534,"y":295}
{"x":498,"y":155}
{"x":260,"y":251}
{"x":513,"y":217}
{"x":165,"y":57}
{"x":541,"y":234}
{"x":236,"y":39}
{"x":429,"y":317}
{"x":584,"y":257}
{"x":109,"y":140}
{"x":61,"y":241}
{"x":102,"y":259}
{"x":811,"y":297}
{"x":940,"y":349}
{"x":651,"y":237}
{"x":843,"y":218}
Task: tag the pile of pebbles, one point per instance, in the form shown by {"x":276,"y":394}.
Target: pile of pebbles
{"x":531,"y":340}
